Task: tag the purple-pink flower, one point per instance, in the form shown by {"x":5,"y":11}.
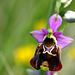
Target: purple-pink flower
{"x":49,"y":58}
{"x":48,"y":51}
{"x":55,"y":22}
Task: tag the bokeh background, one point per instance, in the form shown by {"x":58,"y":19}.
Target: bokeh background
{"x":17,"y":46}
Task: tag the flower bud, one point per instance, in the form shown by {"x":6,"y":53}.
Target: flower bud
{"x":69,"y":16}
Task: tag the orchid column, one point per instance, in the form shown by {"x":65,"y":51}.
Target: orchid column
{"x":50,"y":42}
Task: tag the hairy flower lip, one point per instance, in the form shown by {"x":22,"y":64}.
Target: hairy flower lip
{"x":53,"y":59}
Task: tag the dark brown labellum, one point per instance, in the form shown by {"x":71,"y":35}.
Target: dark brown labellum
{"x":50,"y":60}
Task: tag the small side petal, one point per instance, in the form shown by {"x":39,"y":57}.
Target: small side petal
{"x":45,"y":31}
{"x":54,"y":23}
{"x":38,"y":35}
{"x":63,"y":41}
{"x":57,"y":33}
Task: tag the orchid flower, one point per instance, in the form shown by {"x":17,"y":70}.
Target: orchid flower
{"x":54,"y":24}
{"x":48,"y":51}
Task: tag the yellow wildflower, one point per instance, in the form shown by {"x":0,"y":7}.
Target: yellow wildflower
{"x":22,"y":55}
{"x":71,"y":53}
{"x":40,"y":24}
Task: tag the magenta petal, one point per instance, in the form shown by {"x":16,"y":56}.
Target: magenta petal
{"x":57,"y":33}
{"x":63,"y":41}
{"x":54,"y":23}
{"x":38,"y":35}
{"x":45,"y":31}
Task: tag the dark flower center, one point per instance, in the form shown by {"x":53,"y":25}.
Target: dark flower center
{"x":48,"y":42}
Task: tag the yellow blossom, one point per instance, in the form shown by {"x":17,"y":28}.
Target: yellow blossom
{"x":22,"y":55}
{"x":40,"y":24}
{"x":71,"y":53}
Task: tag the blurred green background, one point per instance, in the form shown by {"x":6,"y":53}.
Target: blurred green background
{"x":17,"y":46}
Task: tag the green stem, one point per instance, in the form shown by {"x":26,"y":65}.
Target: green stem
{"x":42,"y":72}
{"x":51,"y":10}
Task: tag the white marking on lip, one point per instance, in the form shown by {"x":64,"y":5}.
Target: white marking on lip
{"x":49,"y":49}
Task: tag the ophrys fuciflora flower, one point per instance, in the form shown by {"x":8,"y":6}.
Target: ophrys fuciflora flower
{"x":50,"y":43}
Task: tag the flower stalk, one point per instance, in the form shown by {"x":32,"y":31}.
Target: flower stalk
{"x":58,"y":5}
{"x":42,"y":72}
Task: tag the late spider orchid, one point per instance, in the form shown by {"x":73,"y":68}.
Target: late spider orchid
{"x":49,"y":59}
{"x":48,"y":51}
